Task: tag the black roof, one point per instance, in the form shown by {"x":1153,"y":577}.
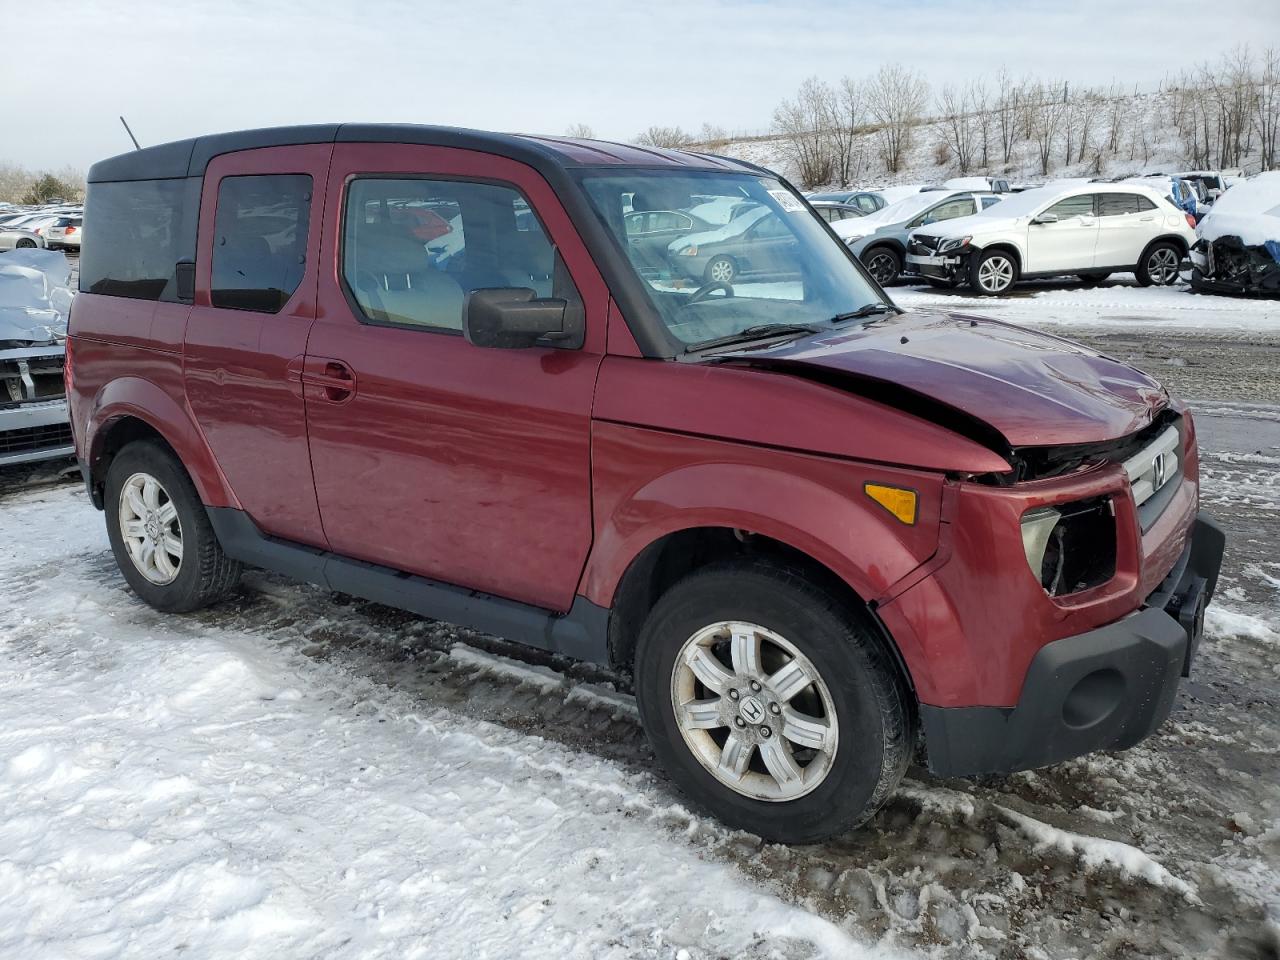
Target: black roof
{"x":189,"y":158}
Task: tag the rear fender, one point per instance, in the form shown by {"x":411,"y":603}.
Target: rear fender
{"x":145,"y":401}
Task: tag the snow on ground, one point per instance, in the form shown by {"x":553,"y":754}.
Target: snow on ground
{"x":1119,"y":302}
{"x":169,"y":786}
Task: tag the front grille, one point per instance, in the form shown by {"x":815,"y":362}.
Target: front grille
{"x":1155,"y":465}
{"x":51,"y":436}
{"x":26,"y":379}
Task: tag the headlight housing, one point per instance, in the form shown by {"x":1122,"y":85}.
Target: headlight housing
{"x":955,"y":243}
{"x":1071,"y":547}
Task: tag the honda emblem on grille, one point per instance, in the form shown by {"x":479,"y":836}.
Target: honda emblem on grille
{"x":1158,"y":472}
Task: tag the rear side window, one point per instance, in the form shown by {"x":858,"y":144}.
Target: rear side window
{"x":1118,"y":204}
{"x":260,"y":241}
{"x":137,"y":231}
{"x":413,"y":249}
{"x":1081,"y":206}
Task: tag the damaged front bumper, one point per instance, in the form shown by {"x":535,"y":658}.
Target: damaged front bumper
{"x":1228,"y":265}
{"x":1105,"y":689}
{"x":34,"y":424}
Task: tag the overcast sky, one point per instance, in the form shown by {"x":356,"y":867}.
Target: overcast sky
{"x":177,"y":68}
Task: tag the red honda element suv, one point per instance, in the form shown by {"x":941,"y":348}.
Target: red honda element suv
{"x":469,"y":375}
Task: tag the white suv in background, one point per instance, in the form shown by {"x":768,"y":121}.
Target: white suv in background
{"x":1089,"y":230}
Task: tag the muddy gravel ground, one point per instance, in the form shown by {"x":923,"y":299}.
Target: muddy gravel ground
{"x":1168,"y":850}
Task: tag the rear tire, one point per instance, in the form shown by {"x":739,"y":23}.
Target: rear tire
{"x":816,"y":710}
{"x":160,"y":533}
{"x":26,"y":243}
{"x":1159,"y":265}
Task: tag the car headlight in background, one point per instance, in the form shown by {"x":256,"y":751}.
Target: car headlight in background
{"x":955,"y":243}
{"x":1071,"y":547}
{"x":687,"y":252}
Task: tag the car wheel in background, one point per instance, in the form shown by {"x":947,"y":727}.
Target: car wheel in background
{"x":26,"y":243}
{"x":720,"y":270}
{"x":1159,"y":266}
{"x":772,"y":703}
{"x":994,"y":273}
{"x":883,"y":263}
{"x":160,"y":533}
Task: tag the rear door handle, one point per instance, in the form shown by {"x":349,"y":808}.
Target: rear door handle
{"x":331,"y":379}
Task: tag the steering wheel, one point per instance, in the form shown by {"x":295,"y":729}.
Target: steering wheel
{"x":707,"y":289}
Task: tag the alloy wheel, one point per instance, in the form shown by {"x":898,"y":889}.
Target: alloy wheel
{"x":1162,"y":266}
{"x":150,"y":528}
{"x":995,"y":274}
{"x":754,"y":711}
{"x":883,"y":267}
{"x":721,"y":271}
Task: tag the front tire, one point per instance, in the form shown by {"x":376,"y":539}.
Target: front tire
{"x":160,"y":533}
{"x":1159,"y":265}
{"x":720,"y":270}
{"x":994,"y":273}
{"x":771,"y":703}
{"x":884,"y":265}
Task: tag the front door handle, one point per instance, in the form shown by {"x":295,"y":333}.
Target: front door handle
{"x":331,"y":379}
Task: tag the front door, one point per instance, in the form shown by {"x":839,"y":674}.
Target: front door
{"x":463,"y":464}
{"x":1067,"y":244}
{"x":255,"y":300}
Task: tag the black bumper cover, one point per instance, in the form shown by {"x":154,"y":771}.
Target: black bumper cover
{"x":1102,"y":690}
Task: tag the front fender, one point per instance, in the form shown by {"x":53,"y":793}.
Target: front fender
{"x":146,"y":401}
{"x":648,"y":484}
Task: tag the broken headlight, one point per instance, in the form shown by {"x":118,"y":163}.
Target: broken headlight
{"x":1071,"y":547}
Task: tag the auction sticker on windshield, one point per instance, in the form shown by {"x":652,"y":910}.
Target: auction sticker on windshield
{"x":787,"y":202}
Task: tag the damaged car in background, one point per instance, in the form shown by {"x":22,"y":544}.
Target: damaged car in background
{"x":1238,"y":250}
{"x":35,"y":299}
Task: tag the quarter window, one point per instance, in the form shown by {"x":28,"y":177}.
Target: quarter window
{"x":260,"y":241}
{"x":402,"y":268}
{"x":1081,"y":206}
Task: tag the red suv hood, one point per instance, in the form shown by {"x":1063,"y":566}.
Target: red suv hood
{"x":1035,"y":389}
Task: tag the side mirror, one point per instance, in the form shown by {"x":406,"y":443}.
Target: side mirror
{"x":511,"y":317}
{"x":184,"y":275}
{"x":1046,"y":218}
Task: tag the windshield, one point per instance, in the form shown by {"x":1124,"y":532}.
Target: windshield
{"x":1022,"y":204}
{"x":720,"y":254}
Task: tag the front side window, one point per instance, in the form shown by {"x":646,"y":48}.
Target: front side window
{"x":414,"y":248}
{"x":756,"y":254}
{"x":1081,"y":206}
{"x":260,"y":241}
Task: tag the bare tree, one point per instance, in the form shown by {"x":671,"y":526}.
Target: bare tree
{"x":896,"y":97}
{"x":713,"y":136}
{"x":671,"y":137}
{"x":1266,"y":108}
{"x":1009,"y":96}
{"x":580,"y":131}
{"x":980,"y":104}
{"x":959,"y":129}
{"x":802,"y":123}
{"x":847,"y":105}
{"x":1046,"y":122}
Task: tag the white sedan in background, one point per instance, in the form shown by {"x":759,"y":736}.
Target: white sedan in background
{"x":1088,"y":230}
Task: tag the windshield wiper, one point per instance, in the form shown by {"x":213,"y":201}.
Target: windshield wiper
{"x":763,"y":331}
{"x":866,"y":310}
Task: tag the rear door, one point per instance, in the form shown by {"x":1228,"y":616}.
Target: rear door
{"x":1127,"y":222}
{"x":1068,"y":244}
{"x":432,"y":456}
{"x":255,"y":300}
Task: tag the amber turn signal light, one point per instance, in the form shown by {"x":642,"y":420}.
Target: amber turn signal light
{"x":897,"y":500}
